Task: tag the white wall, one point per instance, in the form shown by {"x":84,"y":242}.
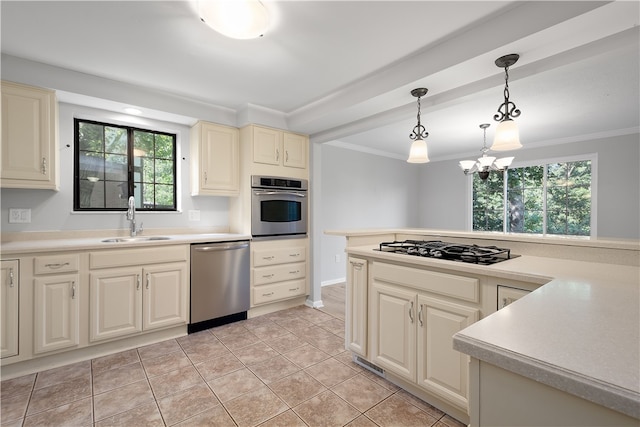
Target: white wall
{"x":53,"y":211}
{"x":360,"y":190}
{"x":444,"y":194}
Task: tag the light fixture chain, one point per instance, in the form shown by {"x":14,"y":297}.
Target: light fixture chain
{"x":419,"y":131}
{"x":507,"y":109}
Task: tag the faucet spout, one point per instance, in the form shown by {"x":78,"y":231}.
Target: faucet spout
{"x":131,"y":215}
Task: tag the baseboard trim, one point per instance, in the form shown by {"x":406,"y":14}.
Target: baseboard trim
{"x":333,"y":282}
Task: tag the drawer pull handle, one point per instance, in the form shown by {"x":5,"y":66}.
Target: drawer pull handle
{"x":267,"y":258}
{"x":56,"y":265}
{"x":267,"y":276}
{"x":294,"y":272}
{"x":11,"y":277}
{"x":44,"y":166}
{"x":420,"y":315}
{"x":411,"y":312}
{"x":73,"y":290}
{"x":137,"y":281}
{"x":205,"y":177}
{"x":294,"y":289}
{"x":294,"y":255}
{"x":267,"y":295}
{"x":277,"y":155}
{"x":357,"y":265}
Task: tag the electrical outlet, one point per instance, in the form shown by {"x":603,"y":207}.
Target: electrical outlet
{"x":194,"y":215}
{"x":337,"y":258}
{"x":19,"y":216}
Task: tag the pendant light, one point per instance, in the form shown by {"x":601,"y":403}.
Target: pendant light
{"x":418,"y":152}
{"x":507,"y":136}
{"x":485,"y":164}
{"x":237,"y":19}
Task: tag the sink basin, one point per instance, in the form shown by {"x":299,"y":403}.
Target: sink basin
{"x":135,"y":239}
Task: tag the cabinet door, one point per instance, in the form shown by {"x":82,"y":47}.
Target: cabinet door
{"x":267,"y":145}
{"x":295,"y":150}
{"x":115,"y":303}
{"x":28,"y":137}
{"x":165,"y":296}
{"x":356,"y":301}
{"x":442,"y":370}
{"x":393,"y":331}
{"x":220,"y":160}
{"x":10,"y":288}
{"x":56,"y":319}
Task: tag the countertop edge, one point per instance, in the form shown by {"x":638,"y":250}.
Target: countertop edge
{"x":605,"y":394}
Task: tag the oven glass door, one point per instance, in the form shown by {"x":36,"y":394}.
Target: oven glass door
{"x":276,"y":213}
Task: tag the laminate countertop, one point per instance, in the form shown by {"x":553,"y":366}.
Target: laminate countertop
{"x":579,"y":332}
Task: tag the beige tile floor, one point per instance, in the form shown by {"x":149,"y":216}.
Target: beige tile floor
{"x":287,"y":368}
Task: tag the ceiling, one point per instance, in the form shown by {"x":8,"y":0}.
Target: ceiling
{"x":342,"y":71}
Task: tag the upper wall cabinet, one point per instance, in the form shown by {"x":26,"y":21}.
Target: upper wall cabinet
{"x":29,"y":137}
{"x":215,"y":160}
{"x":278,"y":149}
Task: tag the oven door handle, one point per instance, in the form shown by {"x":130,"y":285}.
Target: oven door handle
{"x":278,"y":193}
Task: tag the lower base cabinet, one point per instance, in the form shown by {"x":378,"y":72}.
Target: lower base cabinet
{"x":57,"y":316}
{"x":129,"y":300}
{"x":411,"y":331}
{"x":9,"y":292}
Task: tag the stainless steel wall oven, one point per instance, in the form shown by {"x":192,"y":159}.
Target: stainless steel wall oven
{"x":278,"y":206}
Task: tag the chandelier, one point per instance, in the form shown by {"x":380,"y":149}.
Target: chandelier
{"x":485,"y":164}
{"x":507,"y":136}
{"x":418,"y":153}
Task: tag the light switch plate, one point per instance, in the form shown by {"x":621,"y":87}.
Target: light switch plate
{"x":19,"y":216}
{"x":194,"y":215}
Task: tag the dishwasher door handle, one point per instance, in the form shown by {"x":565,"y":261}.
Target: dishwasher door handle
{"x":220,"y":248}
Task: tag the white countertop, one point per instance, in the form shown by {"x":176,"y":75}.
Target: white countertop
{"x":92,"y":243}
{"x":579,"y":333}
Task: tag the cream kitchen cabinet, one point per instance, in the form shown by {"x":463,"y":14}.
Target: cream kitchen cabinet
{"x":10,"y":283}
{"x":356,"y":300}
{"x":278,"y":270}
{"x":412,"y":324}
{"x":126,"y":298}
{"x":278,"y":148}
{"x":56,"y":299}
{"x":215,"y":160}
{"x":29,"y":137}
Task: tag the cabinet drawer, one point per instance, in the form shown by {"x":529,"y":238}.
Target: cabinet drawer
{"x":279,"y":273}
{"x":280,"y":291}
{"x":125,"y":257}
{"x":278,"y":256}
{"x":55,"y":264}
{"x":465,"y":288}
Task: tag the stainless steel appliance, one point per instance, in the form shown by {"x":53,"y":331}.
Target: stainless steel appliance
{"x":219,"y":284}
{"x":451,"y":251}
{"x":278,"y":206}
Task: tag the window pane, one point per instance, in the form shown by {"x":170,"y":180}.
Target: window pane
{"x":115,"y":167}
{"x":143,"y":144}
{"x":115,"y":140}
{"x":164,"y":196}
{"x":91,"y":165}
{"x":164,"y":171}
{"x":91,"y":194}
{"x":164,"y":146}
{"x":90,"y":137}
{"x":488,"y":203}
{"x":116,"y":194}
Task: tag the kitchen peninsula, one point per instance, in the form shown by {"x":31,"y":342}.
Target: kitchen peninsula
{"x":571,"y":346}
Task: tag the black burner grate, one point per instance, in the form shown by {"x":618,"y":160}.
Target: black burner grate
{"x":452,"y":251}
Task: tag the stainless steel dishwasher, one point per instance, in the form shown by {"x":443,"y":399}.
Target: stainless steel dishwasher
{"x":219,"y":284}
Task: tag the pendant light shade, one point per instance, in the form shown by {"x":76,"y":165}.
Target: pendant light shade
{"x":238,"y":19}
{"x":418,"y":152}
{"x":507,"y":136}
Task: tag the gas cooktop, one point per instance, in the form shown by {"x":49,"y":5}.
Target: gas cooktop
{"x":475,"y":254}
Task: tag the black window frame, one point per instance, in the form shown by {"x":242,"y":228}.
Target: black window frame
{"x":130,"y":169}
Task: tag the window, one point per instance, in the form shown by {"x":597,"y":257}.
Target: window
{"x":113,"y":162}
{"x":554,"y":198}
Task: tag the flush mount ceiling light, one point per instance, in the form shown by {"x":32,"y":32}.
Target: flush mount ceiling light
{"x":131,"y":110}
{"x":418,"y":153}
{"x":238,"y":19}
{"x":507,"y":135}
{"x":485,"y":164}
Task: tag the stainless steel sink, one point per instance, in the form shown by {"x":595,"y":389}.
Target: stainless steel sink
{"x":135,"y":239}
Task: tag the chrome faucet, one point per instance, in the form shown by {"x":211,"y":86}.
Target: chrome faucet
{"x":131,"y":216}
